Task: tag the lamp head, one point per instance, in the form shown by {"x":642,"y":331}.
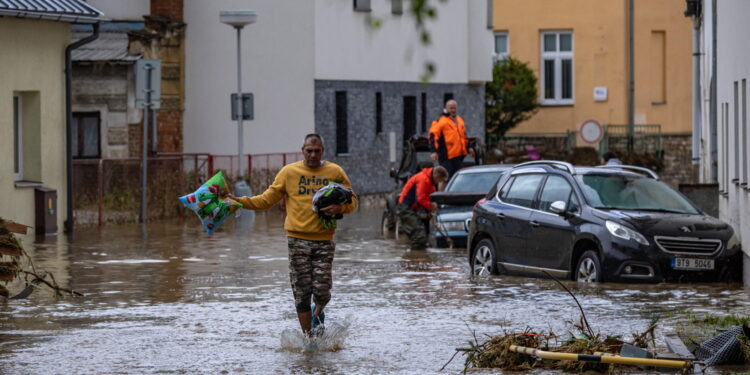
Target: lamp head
{"x":238,"y":18}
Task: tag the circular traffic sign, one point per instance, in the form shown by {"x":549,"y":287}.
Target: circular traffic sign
{"x":591,"y":131}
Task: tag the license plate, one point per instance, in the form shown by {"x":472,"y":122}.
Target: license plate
{"x":692,"y":264}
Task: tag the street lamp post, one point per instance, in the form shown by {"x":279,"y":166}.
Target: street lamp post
{"x":238,"y":19}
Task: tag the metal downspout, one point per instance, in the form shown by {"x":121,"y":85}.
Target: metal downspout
{"x":697,"y":131}
{"x":713,"y":121}
{"x":69,"y":124}
{"x":631,"y":75}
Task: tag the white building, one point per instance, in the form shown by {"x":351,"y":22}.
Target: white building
{"x":301,"y":58}
{"x":724,"y":137}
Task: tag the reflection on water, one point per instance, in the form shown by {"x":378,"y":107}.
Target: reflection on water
{"x":170,"y":299}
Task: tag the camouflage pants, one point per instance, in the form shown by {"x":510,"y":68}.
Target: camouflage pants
{"x":413,"y":226}
{"x":310,"y":264}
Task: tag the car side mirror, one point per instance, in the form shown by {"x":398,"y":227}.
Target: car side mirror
{"x":558,"y":207}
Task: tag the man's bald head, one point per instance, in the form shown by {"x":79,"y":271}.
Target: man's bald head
{"x":451,"y":107}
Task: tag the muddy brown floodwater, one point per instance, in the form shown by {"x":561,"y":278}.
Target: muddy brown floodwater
{"x":170,"y":299}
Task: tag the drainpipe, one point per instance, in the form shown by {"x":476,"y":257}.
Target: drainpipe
{"x":713,"y":121}
{"x":697,"y":89}
{"x":69,"y":123}
{"x":631,"y":75}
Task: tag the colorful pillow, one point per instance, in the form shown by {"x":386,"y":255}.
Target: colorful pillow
{"x":207,"y":203}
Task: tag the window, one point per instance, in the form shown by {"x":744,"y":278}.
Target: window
{"x":523,"y":190}
{"x":555,"y":189}
{"x":736,"y":134}
{"x":658,"y":67}
{"x":26,"y":136}
{"x":17,"y":139}
{"x":362,"y":5}
{"x":342,"y":128}
{"x":397,"y":6}
{"x":423,"y":113}
{"x":744,"y":132}
{"x":503,"y":194}
{"x":410,"y":116}
{"x":85,"y":135}
{"x":557,"y":68}
{"x":467,"y":182}
{"x":725,"y":147}
{"x":490,"y":24}
{"x":501,"y":46}
{"x":446,"y":97}
{"x":629,"y":192}
{"x":378,"y":113}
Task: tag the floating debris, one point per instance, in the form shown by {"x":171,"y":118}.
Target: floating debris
{"x":16,"y":264}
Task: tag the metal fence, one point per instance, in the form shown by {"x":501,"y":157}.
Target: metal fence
{"x":109,"y":189}
{"x":647,"y":139}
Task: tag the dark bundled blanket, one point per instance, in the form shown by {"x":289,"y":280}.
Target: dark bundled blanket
{"x":332,"y":193}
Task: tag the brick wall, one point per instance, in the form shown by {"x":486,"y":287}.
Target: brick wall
{"x":164,"y":39}
{"x":678,"y":168}
{"x":171,"y":9}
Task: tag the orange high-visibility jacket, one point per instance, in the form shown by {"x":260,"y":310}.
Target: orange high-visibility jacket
{"x":417,"y":190}
{"x":448,"y":138}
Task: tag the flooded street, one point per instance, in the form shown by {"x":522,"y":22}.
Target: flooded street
{"x":172,"y":300}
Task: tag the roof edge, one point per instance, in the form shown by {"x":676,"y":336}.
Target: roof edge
{"x":58,"y":17}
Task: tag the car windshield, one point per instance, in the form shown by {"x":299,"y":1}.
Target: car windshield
{"x":481,"y":181}
{"x":632,"y":192}
{"x":423,"y":156}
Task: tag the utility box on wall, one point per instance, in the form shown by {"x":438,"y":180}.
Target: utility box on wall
{"x":45,"y":210}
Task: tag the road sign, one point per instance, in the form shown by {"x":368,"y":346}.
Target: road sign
{"x":148,"y":79}
{"x":248,"y":106}
{"x":591,"y":131}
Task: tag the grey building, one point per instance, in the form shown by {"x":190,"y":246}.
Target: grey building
{"x":360,"y":120}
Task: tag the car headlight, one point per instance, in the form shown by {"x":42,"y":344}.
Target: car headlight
{"x":734,"y":241}
{"x":452,"y":225}
{"x":625,"y":233}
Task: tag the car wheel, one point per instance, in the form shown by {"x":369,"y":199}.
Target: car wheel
{"x":483,"y":260}
{"x":589,"y":270}
{"x":387,"y":225}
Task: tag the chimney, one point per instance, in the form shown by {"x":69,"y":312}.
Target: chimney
{"x":171,"y":9}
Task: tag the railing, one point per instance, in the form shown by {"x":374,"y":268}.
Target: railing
{"x":646,"y":138}
{"x":109,"y":189}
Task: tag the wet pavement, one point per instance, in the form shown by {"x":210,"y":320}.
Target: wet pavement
{"x":170,"y":299}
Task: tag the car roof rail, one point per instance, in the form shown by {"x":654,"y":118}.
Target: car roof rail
{"x":553,"y":163}
{"x":647,"y":171}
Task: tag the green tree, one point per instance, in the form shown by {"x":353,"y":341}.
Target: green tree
{"x":510,"y":98}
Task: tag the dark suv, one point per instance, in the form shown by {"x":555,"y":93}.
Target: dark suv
{"x":606,"y":223}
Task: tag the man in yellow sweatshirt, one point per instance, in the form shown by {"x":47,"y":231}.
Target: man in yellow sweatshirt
{"x":311,"y":246}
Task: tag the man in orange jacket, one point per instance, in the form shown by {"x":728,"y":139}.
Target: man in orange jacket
{"x":448,"y":141}
{"x":414,"y":204}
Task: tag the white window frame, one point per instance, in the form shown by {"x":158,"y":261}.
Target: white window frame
{"x":18,"y":127}
{"x":497,"y":57}
{"x":558,"y":56}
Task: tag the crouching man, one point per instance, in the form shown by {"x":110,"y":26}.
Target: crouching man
{"x":414,"y":206}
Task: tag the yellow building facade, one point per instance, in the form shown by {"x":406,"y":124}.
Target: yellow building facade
{"x":32,"y":115}
{"x":579,"y":50}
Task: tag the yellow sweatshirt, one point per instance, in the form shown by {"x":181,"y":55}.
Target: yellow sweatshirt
{"x":298,"y":184}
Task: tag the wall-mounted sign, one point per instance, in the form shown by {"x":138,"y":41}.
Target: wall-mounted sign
{"x":600,"y":94}
{"x":591,"y":131}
